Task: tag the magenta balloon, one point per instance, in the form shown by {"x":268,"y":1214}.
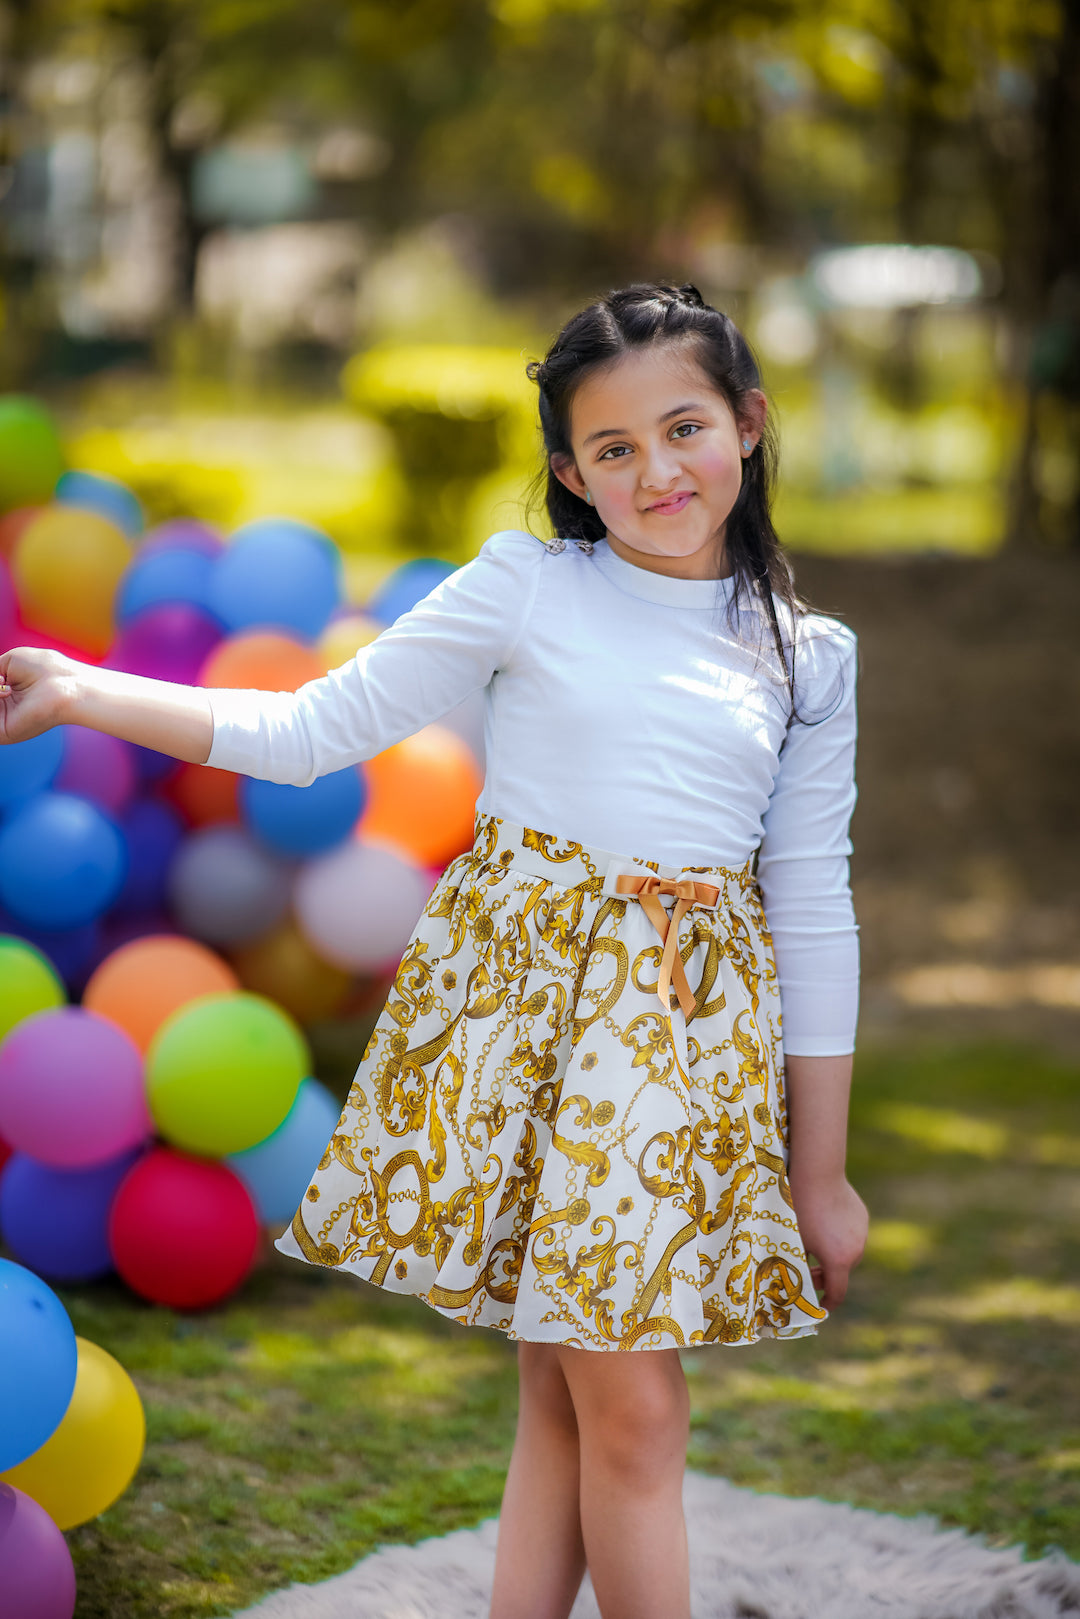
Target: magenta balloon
{"x":166,"y":643}
{"x":37,"y":1576}
{"x":9,"y":604}
{"x":98,"y":767}
{"x":185,"y":533}
{"x":71,"y":1089}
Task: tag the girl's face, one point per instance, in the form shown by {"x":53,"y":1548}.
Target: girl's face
{"x":661,"y":453}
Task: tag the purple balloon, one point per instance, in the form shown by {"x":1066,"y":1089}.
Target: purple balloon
{"x":71,"y":1089}
{"x":55,"y":1221}
{"x":182,"y":532}
{"x":37,"y":1576}
{"x":142,"y":925}
{"x":153,"y":766}
{"x":171,"y":642}
{"x":154,"y":832}
{"x":96,"y":766}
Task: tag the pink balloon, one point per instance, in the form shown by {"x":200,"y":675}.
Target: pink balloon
{"x":358,"y":905}
{"x":186,"y":533}
{"x":9,"y":605}
{"x":98,"y":767}
{"x":37,"y":1576}
{"x":71,"y":1089}
{"x":171,"y":642}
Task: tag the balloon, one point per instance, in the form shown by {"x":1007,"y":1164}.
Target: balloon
{"x":6,"y":1152}
{"x":31,"y":459}
{"x":90,"y":1460}
{"x":224,"y":888}
{"x":151,"y":765}
{"x":9,"y":607}
{"x":261,"y":660}
{"x":171,"y":641}
{"x":67,"y":565}
{"x":95,"y":766}
{"x":183,"y":1231}
{"x":27,"y":767}
{"x":358,"y":905}
{"x":304,"y":820}
{"x":153,"y":832}
{"x":205,"y":795}
{"x":93,"y":492}
{"x":143,"y":983}
{"x":183,"y":532}
{"x":277,"y":572}
{"x":406,"y":586}
{"x":165,"y":577}
{"x":62,"y":862}
{"x":222,"y":1073}
{"x":71,"y":1089}
{"x":285,"y":969}
{"x":37,"y":1576}
{"x":55,"y":1221}
{"x":344,"y":636}
{"x":12,"y":524}
{"x":37,"y":1363}
{"x":278,"y":1170}
{"x":422,"y":795}
{"x":28,"y":983}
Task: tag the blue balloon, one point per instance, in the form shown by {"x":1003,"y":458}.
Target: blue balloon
{"x":62,"y":862}
{"x":38,"y":1359}
{"x":55,"y":1221}
{"x":106,"y":496}
{"x":150,"y":765}
{"x":153,"y":832}
{"x":277,"y":573}
{"x":406,"y":586}
{"x":27,"y":767}
{"x":304,"y":820}
{"x":165,"y":578}
{"x":277,"y":1171}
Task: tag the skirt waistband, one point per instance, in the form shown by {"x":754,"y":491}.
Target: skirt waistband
{"x":568,"y":864}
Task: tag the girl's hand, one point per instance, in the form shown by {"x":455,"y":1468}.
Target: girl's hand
{"x":833,"y":1222}
{"x":34,"y":687}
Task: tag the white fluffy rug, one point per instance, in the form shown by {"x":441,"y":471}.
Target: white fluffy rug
{"x":752,"y":1557}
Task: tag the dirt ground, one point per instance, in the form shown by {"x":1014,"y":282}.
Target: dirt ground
{"x":967,"y":863}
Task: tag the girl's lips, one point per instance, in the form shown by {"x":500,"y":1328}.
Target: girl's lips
{"x":673,"y":503}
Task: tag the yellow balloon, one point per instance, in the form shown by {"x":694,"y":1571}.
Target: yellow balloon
{"x":93,"y":1455}
{"x":343,"y":638}
{"x":283,"y":967}
{"x":67,"y":565}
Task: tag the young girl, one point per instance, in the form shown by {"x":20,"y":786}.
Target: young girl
{"x":578,"y":1120}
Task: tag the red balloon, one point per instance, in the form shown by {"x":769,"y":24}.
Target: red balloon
{"x":183,"y":1231}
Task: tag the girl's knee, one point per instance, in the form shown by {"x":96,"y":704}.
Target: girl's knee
{"x":636,"y":1421}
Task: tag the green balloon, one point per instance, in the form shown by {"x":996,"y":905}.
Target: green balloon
{"x":31,"y":459}
{"x":223,"y":1072}
{"x":28,"y":983}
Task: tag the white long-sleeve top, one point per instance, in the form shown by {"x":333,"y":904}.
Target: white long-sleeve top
{"x":623,"y":711}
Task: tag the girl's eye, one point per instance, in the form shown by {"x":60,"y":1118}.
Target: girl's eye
{"x":609,"y":454}
{"x":690,"y":427}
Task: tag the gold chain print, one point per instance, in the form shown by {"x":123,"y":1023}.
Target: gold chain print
{"x":535,"y":1142}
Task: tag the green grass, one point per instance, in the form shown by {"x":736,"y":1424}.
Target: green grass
{"x":312,"y":1419}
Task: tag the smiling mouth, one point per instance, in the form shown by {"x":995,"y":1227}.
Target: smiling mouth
{"x":673,"y":503}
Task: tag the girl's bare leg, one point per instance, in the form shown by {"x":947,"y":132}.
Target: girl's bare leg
{"x":633,"y":1420}
{"x":540,"y":1559}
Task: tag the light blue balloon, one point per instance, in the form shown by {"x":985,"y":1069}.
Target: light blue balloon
{"x":106,"y":496}
{"x":62,"y":861}
{"x":27,"y":767}
{"x":165,"y":578}
{"x":38,"y":1360}
{"x":277,"y":1171}
{"x":406,"y":586}
{"x":277,"y":573}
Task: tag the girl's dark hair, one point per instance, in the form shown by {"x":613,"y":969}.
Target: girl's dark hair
{"x":635,"y":317}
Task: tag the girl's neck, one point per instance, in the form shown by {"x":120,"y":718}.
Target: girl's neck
{"x":710,"y":562}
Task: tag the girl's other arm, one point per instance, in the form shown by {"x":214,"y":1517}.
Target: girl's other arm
{"x":40,"y":689}
{"x":832,"y":1216}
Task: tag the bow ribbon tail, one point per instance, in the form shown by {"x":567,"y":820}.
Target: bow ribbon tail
{"x":672,"y":972}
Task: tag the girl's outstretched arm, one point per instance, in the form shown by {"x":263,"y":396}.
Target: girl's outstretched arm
{"x":40,"y":689}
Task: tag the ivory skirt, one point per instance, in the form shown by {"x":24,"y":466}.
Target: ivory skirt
{"x":535,"y":1142}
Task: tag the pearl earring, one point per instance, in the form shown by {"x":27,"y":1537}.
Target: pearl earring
{"x":588,"y":497}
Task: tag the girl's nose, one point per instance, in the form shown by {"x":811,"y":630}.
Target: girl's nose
{"x":659,"y":466}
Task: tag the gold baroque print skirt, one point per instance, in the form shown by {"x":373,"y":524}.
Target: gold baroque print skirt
{"x":535,"y":1142}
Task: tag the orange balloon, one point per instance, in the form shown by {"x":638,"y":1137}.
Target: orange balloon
{"x":285,"y":969}
{"x":204,"y":795}
{"x":144,"y":982}
{"x":261,"y":660}
{"x":422,"y":796}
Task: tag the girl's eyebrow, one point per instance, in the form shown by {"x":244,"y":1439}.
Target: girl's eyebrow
{"x":622,"y":432}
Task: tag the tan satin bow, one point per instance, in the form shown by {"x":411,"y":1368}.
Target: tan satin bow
{"x":685,"y":893}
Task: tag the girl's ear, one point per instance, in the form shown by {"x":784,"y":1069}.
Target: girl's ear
{"x":752,"y":413}
{"x":565,"y":469}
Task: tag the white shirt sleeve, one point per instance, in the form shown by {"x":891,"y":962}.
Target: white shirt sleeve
{"x":803,"y":867}
{"x":425,"y":664}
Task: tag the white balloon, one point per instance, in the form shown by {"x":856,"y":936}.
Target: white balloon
{"x":358,"y":905}
{"x":225,"y":888}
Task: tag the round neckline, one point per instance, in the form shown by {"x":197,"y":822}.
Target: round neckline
{"x":659,"y":587}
